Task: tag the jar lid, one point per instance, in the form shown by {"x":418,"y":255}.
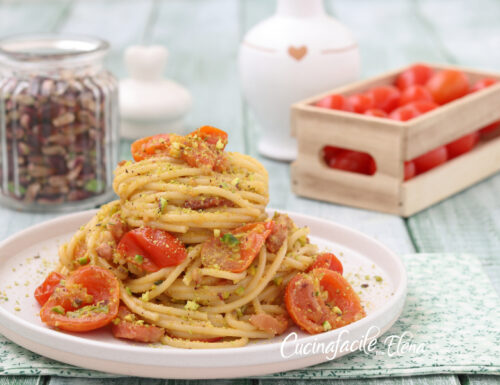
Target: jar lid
{"x":149,"y":103}
{"x":50,"y":47}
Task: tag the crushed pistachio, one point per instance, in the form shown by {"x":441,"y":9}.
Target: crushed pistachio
{"x":219,"y":145}
{"x":230,"y":240}
{"x":191,"y":305}
{"x":139,"y":258}
{"x":83,"y":260}
{"x":225,"y":295}
{"x":162,"y":204}
{"x":378,"y":278}
{"x":58,"y":309}
{"x":127,"y":289}
{"x":337,"y":310}
{"x":145,"y":296}
{"x":240,"y":290}
{"x":216,"y":233}
{"x":278,"y":281}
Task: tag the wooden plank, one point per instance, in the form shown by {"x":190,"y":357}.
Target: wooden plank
{"x":416,"y":380}
{"x":479,"y":380}
{"x":18,"y":17}
{"x":202,"y":37}
{"x":105,"y":381}
{"x":22,"y":380}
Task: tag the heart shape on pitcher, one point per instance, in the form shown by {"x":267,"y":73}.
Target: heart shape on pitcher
{"x":297,"y":52}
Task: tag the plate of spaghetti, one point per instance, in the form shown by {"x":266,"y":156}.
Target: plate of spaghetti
{"x":188,"y":274}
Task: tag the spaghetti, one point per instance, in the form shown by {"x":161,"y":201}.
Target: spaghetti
{"x":221,"y":276}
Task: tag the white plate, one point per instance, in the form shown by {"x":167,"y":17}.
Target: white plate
{"x":27,"y":257}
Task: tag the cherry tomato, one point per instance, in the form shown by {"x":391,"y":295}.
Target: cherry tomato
{"x":305,"y":306}
{"x":462,"y":145}
{"x":327,"y":261}
{"x":479,"y":85}
{"x":354,"y":161}
{"x":412,"y":110}
{"x":385,"y":98}
{"x":335,"y":102}
{"x":45,"y":290}
{"x":360,"y":102}
{"x":235,"y":250}
{"x":417,"y":74}
{"x":152,"y":145}
{"x":340,"y":294}
{"x":483,"y":83}
{"x":151,"y":249}
{"x":410,"y":170}
{"x":322,"y":300}
{"x":415,"y":93}
{"x":329,"y":152}
{"x":211,"y":135}
{"x":431,"y":159}
{"x":88,"y":300}
{"x":448,"y":85}
{"x":376,"y":113}
{"x":132,"y":330}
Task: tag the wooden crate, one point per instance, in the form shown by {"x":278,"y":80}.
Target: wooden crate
{"x":391,"y":143}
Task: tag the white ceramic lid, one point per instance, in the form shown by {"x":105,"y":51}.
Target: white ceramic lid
{"x":150,"y":103}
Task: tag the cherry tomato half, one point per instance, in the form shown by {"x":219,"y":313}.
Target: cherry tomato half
{"x":235,"y":250}
{"x":415,"y":93}
{"x":335,"y":102}
{"x":322,"y":300}
{"x":45,"y":290}
{"x":151,"y":249}
{"x":417,"y":74}
{"x":385,"y":98}
{"x":448,"y":85}
{"x":462,"y":145}
{"x":152,"y":145}
{"x":431,"y":159}
{"x":88,"y":300}
{"x":327,"y":261}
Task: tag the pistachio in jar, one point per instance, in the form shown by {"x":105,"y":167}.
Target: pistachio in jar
{"x":59,"y":129}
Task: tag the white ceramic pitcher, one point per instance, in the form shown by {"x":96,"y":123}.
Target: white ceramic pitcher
{"x":298,"y":52}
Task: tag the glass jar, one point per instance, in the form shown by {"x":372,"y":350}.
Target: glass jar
{"x":58,"y":123}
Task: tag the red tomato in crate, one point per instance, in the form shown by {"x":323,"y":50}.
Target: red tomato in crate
{"x":431,"y":159}
{"x":448,"y":85}
{"x":335,"y":102}
{"x":410,"y":170}
{"x":479,"y":85}
{"x":412,"y":110}
{"x":385,"y":98}
{"x":415,"y":93}
{"x":462,"y":145}
{"x":329,"y":152}
{"x":360,"y":102}
{"x":354,"y":161}
{"x":376,"y":113}
{"x":483,"y":83}
{"x":417,"y":74}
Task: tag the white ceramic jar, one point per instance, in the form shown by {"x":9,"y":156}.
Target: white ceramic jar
{"x":298,"y":52}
